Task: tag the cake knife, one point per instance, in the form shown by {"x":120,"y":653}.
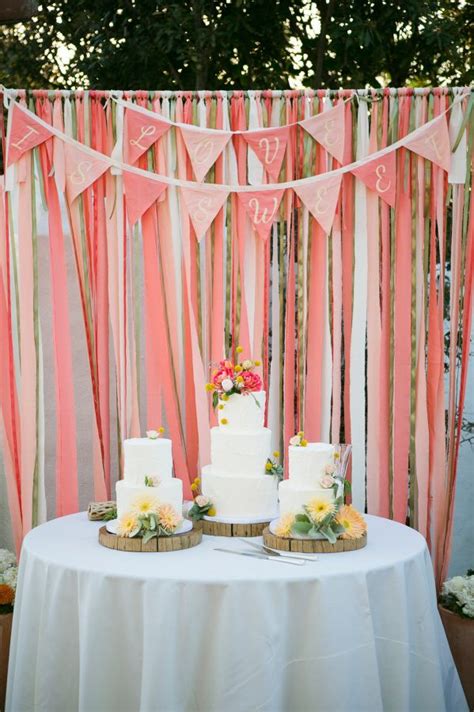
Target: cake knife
{"x":266,"y":550}
{"x":295,"y":562}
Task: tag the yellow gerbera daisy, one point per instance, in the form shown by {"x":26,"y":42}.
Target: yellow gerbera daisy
{"x":319,"y":509}
{"x":145,"y":504}
{"x":126,"y":524}
{"x":284,"y":524}
{"x":354,"y":523}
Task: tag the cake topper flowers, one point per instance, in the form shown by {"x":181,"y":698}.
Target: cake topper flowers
{"x":202,"y":505}
{"x":230,"y":378}
{"x":155,"y":434}
{"x":273,"y":467}
{"x":298,"y":440}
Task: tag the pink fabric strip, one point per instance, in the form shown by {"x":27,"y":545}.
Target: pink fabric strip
{"x":421,"y":414}
{"x":336,"y":329}
{"x":373,"y":337}
{"x":28,"y":400}
{"x":384,"y":369}
{"x":289,"y":428}
{"x":402,"y":317}
{"x":67,"y":497}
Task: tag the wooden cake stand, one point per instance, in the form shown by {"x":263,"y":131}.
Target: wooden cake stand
{"x":312,"y":546}
{"x":175,"y":542}
{"x":231,"y":529}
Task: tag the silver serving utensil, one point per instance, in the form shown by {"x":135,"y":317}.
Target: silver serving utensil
{"x":266,"y":549}
{"x":266,"y":557}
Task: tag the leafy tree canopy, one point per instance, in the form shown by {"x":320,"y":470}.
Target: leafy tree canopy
{"x":209,"y":44}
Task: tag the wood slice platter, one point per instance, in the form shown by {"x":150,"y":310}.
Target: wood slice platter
{"x":312,"y":546}
{"x":186,"y":540}
{"x":229,"y":529}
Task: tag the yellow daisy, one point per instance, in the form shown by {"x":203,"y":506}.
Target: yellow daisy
{"x":284,"y":524}
{"x":169,"y":518}
{"x":354,"y":523}
{"x":126,"y":524}
{"x":145,"y":504}
{"x":319,"y":509}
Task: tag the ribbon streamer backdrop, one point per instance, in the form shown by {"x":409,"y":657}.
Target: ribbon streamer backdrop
{"x":157,"y":307}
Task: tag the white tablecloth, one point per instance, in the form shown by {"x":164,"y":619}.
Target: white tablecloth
{"x":100,"y":630}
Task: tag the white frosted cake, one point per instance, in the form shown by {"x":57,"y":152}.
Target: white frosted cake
{"x":149,"y":459}
{"x":235,"y":480}
{"x":307,"y":466}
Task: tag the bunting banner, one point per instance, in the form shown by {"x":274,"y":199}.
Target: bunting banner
{"x":203,"y":149}
{"x":338,"y":252}
{"x":328,"y":129}
{"x":140,"y":132}
{"x":380,"y":176}
{"x":262,"y":209}
{"x":140,"y":194}
{"x":269,"y":146}
{"x":203,"y":206}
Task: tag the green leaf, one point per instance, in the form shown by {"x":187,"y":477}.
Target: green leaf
{"x":347,"y":487}
{"x":302,"y":518}
{"x":148,"y":535}
{"x":301,"y":527}
{"x":215,"y":399}
{"x":135,"y":531}
{"x":152,"y":522}
{"x":337,"y":528}
{"x":329,"y":534}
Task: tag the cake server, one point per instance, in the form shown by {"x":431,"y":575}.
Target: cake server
{"x":281,"y":560}
{"x":266,"y":550}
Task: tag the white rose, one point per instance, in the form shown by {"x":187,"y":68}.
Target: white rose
{"x":327,"y":481}
{"x":201,"y":500}
{"x":227,"y":384}
{"x":247,"y":364}
{"x":295,"y":440}
{"x":152,"y":434}
{"x":330,"y":469}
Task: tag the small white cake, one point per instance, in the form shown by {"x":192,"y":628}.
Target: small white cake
{"x":307,"y":465}
{"x":236,"y":481}
{"x":152,"y":458}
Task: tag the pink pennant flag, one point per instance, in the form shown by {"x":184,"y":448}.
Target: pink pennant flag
{"x":204,"y":148}
{"x":320,"y":197}
{"x":25,"y":133}
{"x":269,"y":147}
{"x":141,"y":131}
{"x":327,"y":128}
{"x":380,"y":176}
{"x":203,"y":206}
{"x":432,"y":142}
{"x":140,"y":194}
{"x":262,"y":209}
{"x":82,"y":169}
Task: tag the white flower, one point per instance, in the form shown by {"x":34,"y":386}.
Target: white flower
{"x":227,"y":384}
{"x":456,"y":585}
{"x":202,"y":501}
{"x":327,"y":481}
{"x":247,"y":364}
{"x":7,"y":559}
{"x":152,"y":434}
{"x":10,"y":576}
{"x":295,"y":440}
{"x":330,"y":469}
{"x":152,"y":481}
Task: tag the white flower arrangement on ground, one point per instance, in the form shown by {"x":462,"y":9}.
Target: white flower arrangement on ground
{"x":457,"y":595}
{"x":8,"y":580}
{"x":148,"y":518}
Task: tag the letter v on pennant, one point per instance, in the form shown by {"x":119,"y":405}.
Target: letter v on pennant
{"x":262,"y":209}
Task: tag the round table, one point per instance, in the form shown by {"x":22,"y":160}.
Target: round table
{"x":97,"y":630}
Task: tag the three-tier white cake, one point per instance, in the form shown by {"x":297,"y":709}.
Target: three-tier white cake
{"x":236,"y":481}
{"x":307,"y":465}
{"x":149,"y":458}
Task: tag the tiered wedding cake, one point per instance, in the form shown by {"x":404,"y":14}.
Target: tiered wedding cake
{"x":148,"y":468}
{"x":238,"y":481}
{"x":311,"y":466}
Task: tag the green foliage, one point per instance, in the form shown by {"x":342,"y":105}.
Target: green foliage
{"x":209,"y":44}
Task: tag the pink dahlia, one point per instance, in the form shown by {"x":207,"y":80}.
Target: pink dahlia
{"x":252,"y":381}
{"x":225,"y":370}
